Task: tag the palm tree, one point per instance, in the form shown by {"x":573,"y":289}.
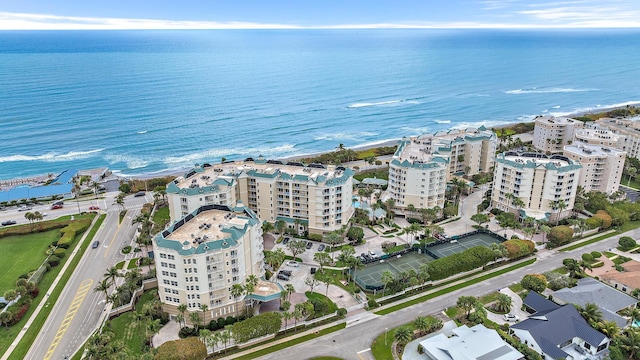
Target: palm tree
{"x":249,"y":288}
{"x":630,"y":341}
{"x":290,"y":290}
{"x":591,"y":312}
{"x":403,"y":335}
{"x":29,"y":216}
{"x":355,"y":263}
{"x":390,"y":204}
{"x":215,"y":340}
{"x":102,"y":286}
{"x":195,"y":320}
{"x":182,"y":308}
{"x":120,"y":201}
{"x":609,"y":328}
{"x":387,"y":278}
{"x":559,"y":206}
{"x":503,"y":303}
{"x":545,"y":229}
{"x":205,"y":337}
{"x":76,"y":192}
{"x":204,"y":308}
{"x":180,"y":319}
{"x":267,"y":227}
{"x":225,"y":336}
{"x":411,"y":209}
{"x":6,"y":318}
{"x":111,"y":275}
{"x":323,"y":259}
{"x":421,"y":324}
{"x":236,"y":291}
{"x":286,"y":316}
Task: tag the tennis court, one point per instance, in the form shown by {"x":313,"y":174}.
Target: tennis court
{"x":463,"y":243}
{"x":370,"y":277}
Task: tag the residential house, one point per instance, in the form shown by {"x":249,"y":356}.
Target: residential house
{"x":466,"y":343}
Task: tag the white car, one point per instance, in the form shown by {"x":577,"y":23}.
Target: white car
{"x":511,"y":317}
{"x":293,"y":263}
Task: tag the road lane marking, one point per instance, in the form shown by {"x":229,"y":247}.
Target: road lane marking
{"x":85,"y":287}
{"x":114,"y":237}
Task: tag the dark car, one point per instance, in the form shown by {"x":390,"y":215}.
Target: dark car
{"x":313,"y":270}
{"x":95,"y":244}
{"x":139,"y":194}
{"x":309,"y":244}
{"x":8,"y":222}
{"x":285,"y":241}
{"x":321,"y":247}
{"x":286,"y":272}
{"x":283,"y":277}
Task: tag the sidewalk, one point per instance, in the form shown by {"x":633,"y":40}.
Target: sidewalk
{"x":45,"y":298}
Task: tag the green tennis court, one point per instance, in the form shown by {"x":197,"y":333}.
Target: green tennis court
{"x":370,"y":277}
{"x":463,"y":243}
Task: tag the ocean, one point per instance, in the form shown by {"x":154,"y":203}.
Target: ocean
{"x":151,"y":102}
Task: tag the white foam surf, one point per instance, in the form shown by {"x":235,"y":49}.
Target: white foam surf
{"x":344,"y":136}
{"x":442,"y":121}
{"x":215,"y":154}
{"x":51,"y":157}
{"x":142,"y":132}
{"x":382,"y":103}
{"x":536,"y":90}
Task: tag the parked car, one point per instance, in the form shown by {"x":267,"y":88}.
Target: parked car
{"x":293,"y":263}
{"x":8,"y":222}
{"x":140,"y":194}
{"x":285,"y":241}
{"x":511,"y":317}
{"x":95,"y":244}
{"x":321,"y":247}
{"x":313,"y":270}
{"x":372,"y":253}
{"x":286,"y":272}
{"x":283,"y":277}
{"x":24,"y":208}
{"x":309,"y":244}
{"x":94,"y":208}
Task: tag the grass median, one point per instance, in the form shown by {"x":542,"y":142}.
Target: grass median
{"x":628,"y":226}
{"x":292,"y":342}
{"x":453,"y":288}
{"x":23,"y":346}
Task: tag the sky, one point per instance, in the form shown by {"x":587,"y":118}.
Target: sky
{"x":275,"y":14}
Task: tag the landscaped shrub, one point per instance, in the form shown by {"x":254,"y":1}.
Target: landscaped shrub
{"x":560,"y":235}
{"x":184,"y":349}
{"x":257,"y":326}
{"x":593,"y":222}
{"x":342,"y":312}
{"x":230,"y":320}
{"x":126,"y":249}
{"x":213,"y":325}
{"x":518,"y":248}
{"x":186,"y":331}
{"x":315,"y":237}
{"x":59,"y":253}
{"x":587,"y":257}
{"x":221,"y":323}
{"x":467,"y":260}
{"x":627,"y":243}
{"x":67,"y":237}
{"x":596,"y":254}
{"x":535,"y":282}
{"x":53,"y":260}
{"x":372,"y":304}
{"x":605,"y":219}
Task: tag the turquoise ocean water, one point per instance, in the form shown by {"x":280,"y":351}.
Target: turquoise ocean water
{"x":151,"y":101}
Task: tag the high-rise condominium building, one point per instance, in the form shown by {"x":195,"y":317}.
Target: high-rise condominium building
{"x":316,"y":197}
{"x":551,"y":134}
{"x":421,"y":166}
{"x":601,"y":166}
{"x":545,"y":185}
{"x":202,"y":255}
{"x":629,"y":131}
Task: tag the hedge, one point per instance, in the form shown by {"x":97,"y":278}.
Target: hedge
{"x":184,"y":349}
{"x":257,"y":326}
{"x":519,"y":248}
{"x":465,"y":261}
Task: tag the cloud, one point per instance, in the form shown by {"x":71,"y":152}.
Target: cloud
{"x":584,"y":13}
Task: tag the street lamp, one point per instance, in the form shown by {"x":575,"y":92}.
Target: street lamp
{"x":386,"y":330}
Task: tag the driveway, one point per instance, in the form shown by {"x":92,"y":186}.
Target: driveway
{"x":516,"y":308}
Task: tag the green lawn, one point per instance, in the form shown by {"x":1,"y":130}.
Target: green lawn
{"x":27,"y":252}
{"x":633,"y":184}
{"x":331,"y":306}
{"x":160,"y":218}
{"x":45,"y":284}
{"x":126,"y":329}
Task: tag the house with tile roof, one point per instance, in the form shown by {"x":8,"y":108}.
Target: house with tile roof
{"x":625,"y":281}
{"x":559,"y":332}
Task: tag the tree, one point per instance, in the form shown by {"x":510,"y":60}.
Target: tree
{"x":559,"y":206}
{"x":225,"y":336}
{"x":204,"y":308}
{"x":286,"y":315}
{"x":591,"y":313}
{"x":421,"y":324}
{"x":111,"y":275}
{"x":102,"y":286}
{"x":267,"y":227}
{"x":311,"y":283}
{"x":466,"y":303}
{"x":545,"y":229}
{"x":403,"y":335}
{"x":572,"y":266}
{"x":630,"y":341}
{"x":535,"y":282}
{"x":480,"y":218}
{"x":290,"y":290}
{"x":560,"y":235}
{"x":609,"y":328}
{"x":280,"y":226}
{"x":346,"y":253}
{"x":356,"y":234}
{"x":333,"y":238}
{"x":120,"y":201}
{"x":322,"y":258}
{"x":296,"y":246}
{"x":354,"y":263}
{"x":195,"y":320}
{"x":503,"y":303}
{"x":6,"y":318}
{"x":387,"y":278}
{"x":236,"y":291}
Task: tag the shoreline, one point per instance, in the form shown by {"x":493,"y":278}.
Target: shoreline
{"x":376,"y":144}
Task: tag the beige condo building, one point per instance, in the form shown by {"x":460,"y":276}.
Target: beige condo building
{"x":593,"y":134}
{"x":314,"y":198}
{"x":421,"y":166}
{"x":202,"y":255}
{"x":601,"y":166}
{"x":551,"y":133}
{"x":628,"y":129}
{"x":541,"y":182}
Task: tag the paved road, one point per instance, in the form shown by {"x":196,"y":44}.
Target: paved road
{"x":78,"y":309}
{"x":355,"y":340}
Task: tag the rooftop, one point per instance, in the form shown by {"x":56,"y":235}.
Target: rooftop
{"x":225,"y":174}
{"x":208,"y":227}
{"x":556,"y":120}
{"x":429,"y":147}
{"x":630,"y":277}
{"x":593,"y":150}
{"x":596,"y":132}
{"x":533,"y":160}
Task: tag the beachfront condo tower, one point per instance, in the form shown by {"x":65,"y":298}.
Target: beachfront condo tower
{"x":545,"y":186}
{"x":201,"y":256}
{"x":551,"y":134}
{"x":315,"y":198}
{"x":601,"y":166}
{"x":422,"y":166}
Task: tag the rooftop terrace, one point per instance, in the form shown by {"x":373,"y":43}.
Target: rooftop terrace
{"x":426,"y":147}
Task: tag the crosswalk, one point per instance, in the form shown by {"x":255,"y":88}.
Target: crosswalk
{"x":126,"y":207}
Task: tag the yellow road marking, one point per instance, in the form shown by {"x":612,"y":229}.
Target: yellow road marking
{"x":116,"y":233}
{"x":84,"y":288}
